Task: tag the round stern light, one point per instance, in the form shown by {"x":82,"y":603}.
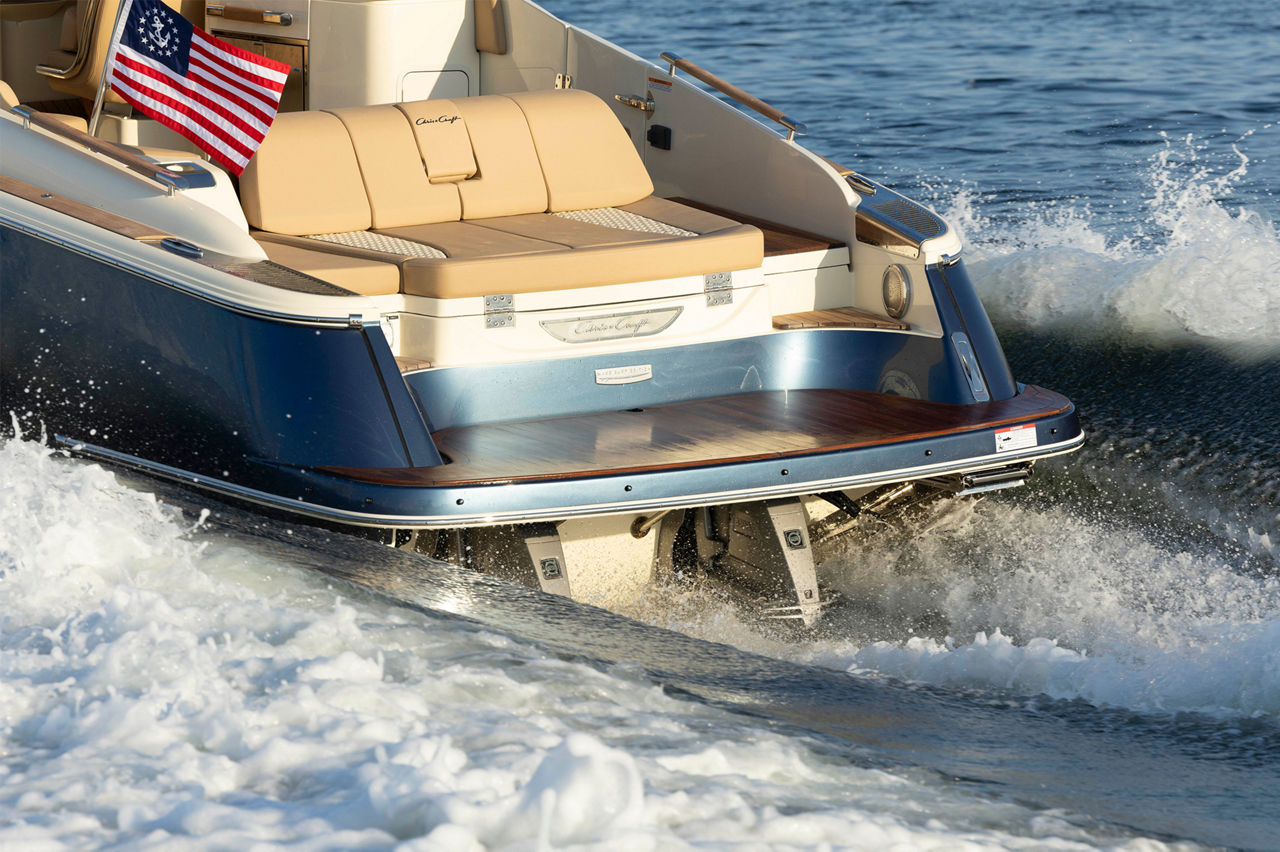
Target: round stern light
{"x":896,"y":290}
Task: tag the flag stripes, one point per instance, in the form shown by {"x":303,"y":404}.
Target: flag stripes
{"x":224,"y":103}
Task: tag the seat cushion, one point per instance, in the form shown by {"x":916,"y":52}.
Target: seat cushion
{"x":304,"y":179}
{"x":472,"y":240}
{"x":359,"y":275}
{"x":567,"y":233}
{"x":7,"y":97}
{"x":741,"y":247}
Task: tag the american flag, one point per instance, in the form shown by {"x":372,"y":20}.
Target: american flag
{"x":220,"y":97}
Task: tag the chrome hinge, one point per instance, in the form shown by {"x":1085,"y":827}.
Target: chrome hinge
{"x":719,"y":288}
{"x":564,"y":81}
{"x":499,"y":311}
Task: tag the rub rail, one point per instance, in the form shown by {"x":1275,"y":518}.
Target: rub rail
{"x":725,"y":87}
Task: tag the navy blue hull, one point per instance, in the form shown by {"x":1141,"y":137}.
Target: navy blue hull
{"x":265,"y":410}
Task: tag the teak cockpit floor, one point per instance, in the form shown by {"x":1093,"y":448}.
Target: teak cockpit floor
{"x":744,"y":427}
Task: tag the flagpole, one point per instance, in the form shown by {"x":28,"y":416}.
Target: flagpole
{"x":122,"y":13}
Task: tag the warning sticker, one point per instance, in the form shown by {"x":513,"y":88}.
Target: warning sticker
{"x":1015,"y":438}
{"x":659,"y":84}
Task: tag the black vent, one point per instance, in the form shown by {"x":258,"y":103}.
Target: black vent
{"x":912,"y":216}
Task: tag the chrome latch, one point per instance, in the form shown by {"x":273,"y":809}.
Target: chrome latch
{"x":499,"y":311}
{"x":719,"y":288}
{"x":641,"y":102}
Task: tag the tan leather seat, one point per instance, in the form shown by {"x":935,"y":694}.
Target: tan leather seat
{"x":475,"y":196}
{"x":359,"y":275}
{"x":8,"y":98}
{"x":76,"y":66}
{"x":454,"y":278}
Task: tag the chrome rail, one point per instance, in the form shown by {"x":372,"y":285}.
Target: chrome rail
{"x":725,"y":87}
{"x":180,"y":176}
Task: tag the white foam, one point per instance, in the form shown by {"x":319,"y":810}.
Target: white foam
{"x":165,"y":687}
{"x":1043,"y":602}
{"x":1209,"y":273}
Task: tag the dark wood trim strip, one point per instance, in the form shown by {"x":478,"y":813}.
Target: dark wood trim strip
{"x":136,"y":164}
{"x":837,"y":318}
{"x":84,"y":212}
{"x":778,"y":239}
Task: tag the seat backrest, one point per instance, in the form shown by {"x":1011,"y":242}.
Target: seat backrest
{"x":395,"y":182}
{"x":425,"y":162}
{"x":7,"y":96}
{"x":508,"y":179}
{"x":587,"y":159}
{"x":305,"y":179}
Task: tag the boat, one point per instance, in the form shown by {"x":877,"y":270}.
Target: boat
{"x":498,"y":291}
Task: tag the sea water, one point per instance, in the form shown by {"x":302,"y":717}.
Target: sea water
{"x":1090,"y":661}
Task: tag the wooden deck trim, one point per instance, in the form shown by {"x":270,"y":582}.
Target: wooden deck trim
{"x":837,"y":318}
{"x":409,"y":365}
{"x":778,"y":239}
{"x":740,"y":428}
{"x":84,"y":212}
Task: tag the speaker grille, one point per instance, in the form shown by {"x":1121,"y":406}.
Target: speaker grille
{"x":911,"y":215}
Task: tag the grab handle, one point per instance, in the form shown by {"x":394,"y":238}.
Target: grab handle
{"x":745,"y":98}
{"x":249,"y":16}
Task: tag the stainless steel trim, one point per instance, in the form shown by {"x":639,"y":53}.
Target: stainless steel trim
{"x":284,"y":19}
{"x":860,"y":184}
{"x":555,"y":513}
{"x":499,"y":311}
{"x":598,"y":327}
{"x":718,"y":287}
{"x":182,"y":248}
{"x":182,"y":176}
{"x":641,"y":102}
{"x":969,"y":362}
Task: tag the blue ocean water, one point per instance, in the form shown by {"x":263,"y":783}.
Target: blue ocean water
{"x":1089,"y":662}
{"x":1018,"y":103}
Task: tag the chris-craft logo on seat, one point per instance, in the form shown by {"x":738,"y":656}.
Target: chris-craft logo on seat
{"x":442,"y":119}
{"x":611,"y":326}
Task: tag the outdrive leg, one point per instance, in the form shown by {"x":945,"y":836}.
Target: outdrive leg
{"x":549,"y":564}
{"x":770,"y":553}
